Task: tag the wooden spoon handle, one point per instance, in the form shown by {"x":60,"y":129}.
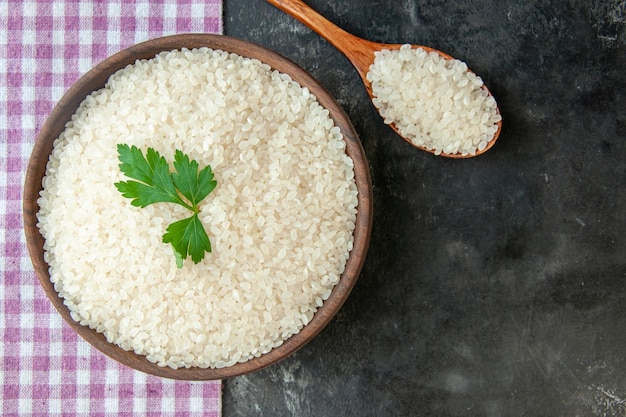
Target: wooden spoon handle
{"x":359,"y":51}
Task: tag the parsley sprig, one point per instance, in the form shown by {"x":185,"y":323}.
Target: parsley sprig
{"x":185,"y":186}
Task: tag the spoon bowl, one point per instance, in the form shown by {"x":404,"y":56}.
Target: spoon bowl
{"x":361,"y":53}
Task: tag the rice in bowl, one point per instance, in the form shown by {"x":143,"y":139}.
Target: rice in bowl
{"x":281,"y":219}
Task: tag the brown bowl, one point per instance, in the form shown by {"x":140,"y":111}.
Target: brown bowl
{"x":96,"y":79}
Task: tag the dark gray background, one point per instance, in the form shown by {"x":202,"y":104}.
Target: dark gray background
{"x":494,"y":286}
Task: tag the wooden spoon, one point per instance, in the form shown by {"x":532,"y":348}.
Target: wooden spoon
{"x":360,"y":52}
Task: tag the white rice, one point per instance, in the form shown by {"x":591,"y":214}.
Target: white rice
{"x":280,"y":220}
{"x":434,"y":102}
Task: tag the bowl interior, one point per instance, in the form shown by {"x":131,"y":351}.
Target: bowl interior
{"x":96,"y":79}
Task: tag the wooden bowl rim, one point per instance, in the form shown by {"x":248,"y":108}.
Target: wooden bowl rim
{"x":96,"y":79}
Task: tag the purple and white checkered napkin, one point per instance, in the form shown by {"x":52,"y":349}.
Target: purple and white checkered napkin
{"x":45,"y":368}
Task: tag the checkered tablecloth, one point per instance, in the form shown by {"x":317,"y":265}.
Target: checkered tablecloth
{"x":45,"y":368}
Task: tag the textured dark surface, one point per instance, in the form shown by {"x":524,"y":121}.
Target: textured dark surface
{"x":494,"y":286}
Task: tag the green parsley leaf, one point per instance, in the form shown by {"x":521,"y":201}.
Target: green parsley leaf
{"x":153,"y":172}
{"x":188,"y":237}
{"x":192,"y":184}
{"x":156,"y":184}
{"x":179,"y":259}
